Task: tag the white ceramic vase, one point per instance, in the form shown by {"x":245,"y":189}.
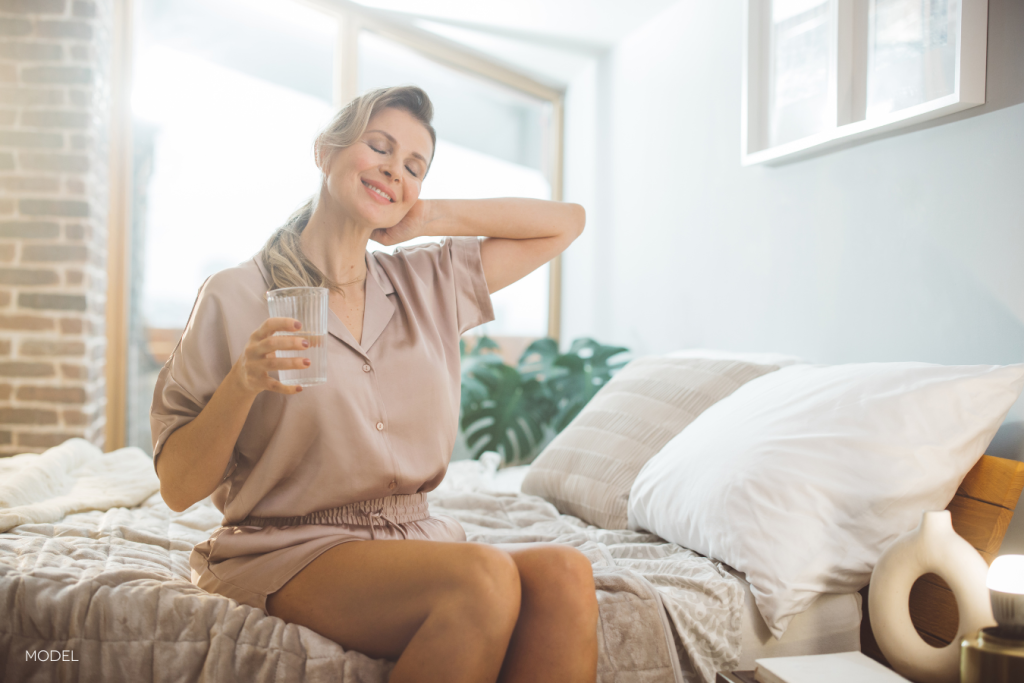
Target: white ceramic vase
{"x":932,"y":548}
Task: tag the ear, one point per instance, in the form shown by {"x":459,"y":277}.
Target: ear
{"x":325,"y":157}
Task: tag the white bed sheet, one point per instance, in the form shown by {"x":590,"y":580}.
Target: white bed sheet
{"x":832,"y":624}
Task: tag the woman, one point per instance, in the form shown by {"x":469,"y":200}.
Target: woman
{"x":299,"y":475}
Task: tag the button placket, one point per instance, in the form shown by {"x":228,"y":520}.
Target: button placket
{"x":375,"y":379}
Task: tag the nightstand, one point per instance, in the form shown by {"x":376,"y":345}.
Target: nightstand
{"x":839,"y":666}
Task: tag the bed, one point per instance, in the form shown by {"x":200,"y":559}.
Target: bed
{"x":108,"y":592}
{"x":111,"y":586}
{"x":793,"y":476}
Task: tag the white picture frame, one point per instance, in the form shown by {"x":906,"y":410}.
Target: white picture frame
{"x":838,"y":112}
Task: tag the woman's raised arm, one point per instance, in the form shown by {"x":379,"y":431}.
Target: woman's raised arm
{"x":195,"y":456}
{"x":523,"y":234}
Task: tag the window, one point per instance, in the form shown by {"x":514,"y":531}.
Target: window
{"x":226,"y":99}
{"x":821,"y":72}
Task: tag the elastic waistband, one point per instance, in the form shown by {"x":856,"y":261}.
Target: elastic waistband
{"x":397,"y":509}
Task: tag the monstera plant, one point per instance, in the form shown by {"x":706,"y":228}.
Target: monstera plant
{"x":517,"y":410}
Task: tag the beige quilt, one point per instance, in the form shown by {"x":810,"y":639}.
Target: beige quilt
{"x":107,"y":593}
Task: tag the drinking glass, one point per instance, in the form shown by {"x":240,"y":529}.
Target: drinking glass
{"x":308,"y":305}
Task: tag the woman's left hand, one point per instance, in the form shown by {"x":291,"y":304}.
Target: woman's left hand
{"x":413,"y":225}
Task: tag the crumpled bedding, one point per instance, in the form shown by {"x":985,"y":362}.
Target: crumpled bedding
{"x":110,"y":591}
{"x":73,"y":477}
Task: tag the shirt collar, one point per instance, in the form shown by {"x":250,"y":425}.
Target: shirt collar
{"x":377,"y":310}
{"x":372,"y":267}
{"x":377,"y":271}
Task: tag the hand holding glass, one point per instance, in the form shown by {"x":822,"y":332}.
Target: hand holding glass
{"x":308,"y":305}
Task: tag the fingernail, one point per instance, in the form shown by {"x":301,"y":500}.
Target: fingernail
{"x":297,"y":324}
{"x":306,"y":361}
{"x":298,"y":389}
{"x":305,"y":343}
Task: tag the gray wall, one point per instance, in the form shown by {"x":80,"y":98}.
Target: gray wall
{"x":904,"y":247}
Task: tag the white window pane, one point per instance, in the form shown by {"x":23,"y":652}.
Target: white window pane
{"x":800,"y":60}
{"x":912,"y":48}
{"x":232,"y":159}
{"x":227,"y":98}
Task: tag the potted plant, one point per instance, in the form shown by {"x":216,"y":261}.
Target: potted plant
{"x":517,"y":410}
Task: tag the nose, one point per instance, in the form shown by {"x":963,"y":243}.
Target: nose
{"x":388,"y":170}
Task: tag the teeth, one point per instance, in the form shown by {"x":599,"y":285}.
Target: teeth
{"x":382,"y":194}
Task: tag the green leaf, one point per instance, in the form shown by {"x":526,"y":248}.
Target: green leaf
{"x":511,"y":420}
{"x":514,"y":410}
{"x":586,"y":371}
{"x":538,"y":359}
{"x":484,"y":344}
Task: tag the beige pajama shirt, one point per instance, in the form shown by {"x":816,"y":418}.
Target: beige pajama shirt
{"x":348,"y":460}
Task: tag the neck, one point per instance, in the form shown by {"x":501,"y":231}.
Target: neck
{"x":336,"y":244}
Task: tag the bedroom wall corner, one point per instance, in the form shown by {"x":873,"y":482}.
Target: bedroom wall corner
{"x":54,"y":102}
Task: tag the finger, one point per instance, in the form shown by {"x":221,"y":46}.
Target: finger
{"x":272,"y":325}
{"x":285,"y":364}
{"x":284,"y":388}
{"x":271,"y":344}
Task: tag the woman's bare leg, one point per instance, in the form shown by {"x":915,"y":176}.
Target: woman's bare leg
{"x":445,"y":611}
{"x":555,"y":639}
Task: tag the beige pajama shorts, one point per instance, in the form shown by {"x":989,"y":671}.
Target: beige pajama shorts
{"x":257,"y":557}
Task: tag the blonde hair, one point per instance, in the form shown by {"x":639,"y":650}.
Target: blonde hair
{"x":282,"y":254}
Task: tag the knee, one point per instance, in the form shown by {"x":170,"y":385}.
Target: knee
{"x":562,"y":576}
{"x":488,"y":584}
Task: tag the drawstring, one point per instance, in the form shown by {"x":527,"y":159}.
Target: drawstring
{"x":394,"y":510}
{"x":378,"y":515}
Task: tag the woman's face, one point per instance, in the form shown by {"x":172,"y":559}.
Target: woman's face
{"x":378,"y":179}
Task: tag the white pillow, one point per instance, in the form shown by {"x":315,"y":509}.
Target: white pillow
{"x":803,"y":476}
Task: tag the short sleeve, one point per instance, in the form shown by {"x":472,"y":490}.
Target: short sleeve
{"x":472,"y":300}
{"x":452,"y":266}
{"x":195,"y":369}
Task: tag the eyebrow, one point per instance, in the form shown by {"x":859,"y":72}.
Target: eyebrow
{"x":395,"y":142}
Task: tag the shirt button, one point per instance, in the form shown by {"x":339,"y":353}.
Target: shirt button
{"x":380,"y":426}
{"x":366,"y":368}
{"x":392,"y":485}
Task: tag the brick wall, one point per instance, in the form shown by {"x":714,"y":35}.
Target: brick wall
{"x":54,"y":95}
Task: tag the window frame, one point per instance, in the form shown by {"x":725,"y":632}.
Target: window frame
{"x":351,"y":19}
{"x":848,"y":82}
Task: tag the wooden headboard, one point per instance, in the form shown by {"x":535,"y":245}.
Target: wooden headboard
{"x":981,"y":510}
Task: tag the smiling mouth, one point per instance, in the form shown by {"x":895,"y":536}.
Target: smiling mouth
{"x":378,"y":191}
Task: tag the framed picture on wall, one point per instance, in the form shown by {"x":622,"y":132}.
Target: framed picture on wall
{"x":821,"y":72}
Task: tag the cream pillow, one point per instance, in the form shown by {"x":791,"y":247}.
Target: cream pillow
{"x":588,"y":469}
{"x":801,"y":478}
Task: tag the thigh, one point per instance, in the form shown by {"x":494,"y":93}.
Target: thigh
{"x":372,"y":596}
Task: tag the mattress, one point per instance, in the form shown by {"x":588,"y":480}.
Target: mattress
{"x":832,"y":624}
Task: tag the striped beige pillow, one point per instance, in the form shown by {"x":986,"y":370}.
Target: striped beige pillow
{"x":589,"y":468}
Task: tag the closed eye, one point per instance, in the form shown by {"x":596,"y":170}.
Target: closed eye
{"x":414,"y":174}
{"x":378,"y":151}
